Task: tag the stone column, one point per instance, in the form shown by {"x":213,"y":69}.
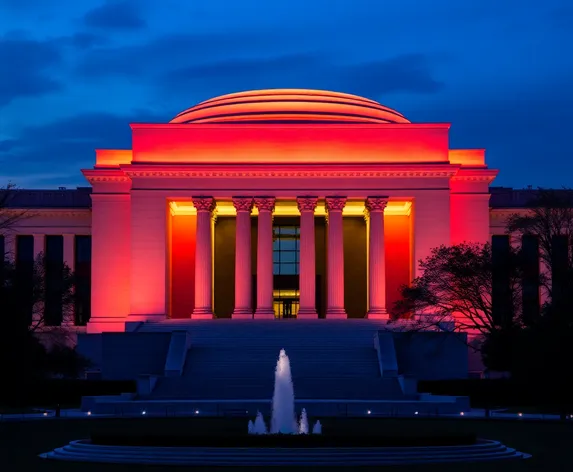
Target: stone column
{"x":39,"y":249}
{"x":335,"y":258}
{"x":69,"y":250}
{"x":376,"y":259}
{"x":10,"y":247}
{"x":203,"y":260}
{"x":39,"y":245}
{"x":265,"y":205}
{"x":243,"y":276}
{"x":307,"y":269}
{"x":69,"y":316}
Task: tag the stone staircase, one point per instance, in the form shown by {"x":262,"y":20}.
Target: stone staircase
{"x":235,"y":359}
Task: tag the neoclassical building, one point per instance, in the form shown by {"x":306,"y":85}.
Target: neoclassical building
{"x":272,"y":203}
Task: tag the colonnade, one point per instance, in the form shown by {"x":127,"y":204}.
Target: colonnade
{"x":307,"y":272}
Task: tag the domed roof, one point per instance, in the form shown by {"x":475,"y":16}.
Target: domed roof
{"x":289,"y":106}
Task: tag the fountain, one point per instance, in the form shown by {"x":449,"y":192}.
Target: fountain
{"x":284,"y":444}
{"x":283,"y":418}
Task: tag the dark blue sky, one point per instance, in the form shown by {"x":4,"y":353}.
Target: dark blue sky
{"x":74,"y":73}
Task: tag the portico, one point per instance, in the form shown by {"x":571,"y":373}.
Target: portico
{"x":273,"y":204}
{"x":205,"y":210}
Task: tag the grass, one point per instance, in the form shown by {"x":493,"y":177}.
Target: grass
{"x":548,"y":442}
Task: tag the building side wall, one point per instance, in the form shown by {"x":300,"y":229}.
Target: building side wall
{"x":431,"y":213}
{"x":148,"y":254}
{"x":469,"y":212}
{"x":110,"y":261}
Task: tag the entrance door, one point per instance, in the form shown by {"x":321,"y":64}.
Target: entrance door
{"x":286,"y":251}
{"x":285,"y":303}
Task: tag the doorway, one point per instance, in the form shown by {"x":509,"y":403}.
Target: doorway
{"x":286,"y":258}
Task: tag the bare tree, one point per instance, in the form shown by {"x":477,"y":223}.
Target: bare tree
{"x":456,"y":285}
{"x":9,"y":215}
{"x":550,"y":214}
{"x":37,"y":304}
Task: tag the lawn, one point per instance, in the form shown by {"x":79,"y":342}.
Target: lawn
{"x":548,"y":442}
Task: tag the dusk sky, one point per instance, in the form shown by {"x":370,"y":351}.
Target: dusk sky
{"x":75,"y":73}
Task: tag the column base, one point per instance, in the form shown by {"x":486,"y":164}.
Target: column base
{"x":336,"y":313}
{"x":242,"y":314}
{"x":202,"y":314}
{"x":265,"y":314}
{"x":378,"y":314}
{"x":307,"y":314}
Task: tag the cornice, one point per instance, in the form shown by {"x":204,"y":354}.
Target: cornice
{"x":105,"y":175}
{"x":505,"y":212}
{"x":47,"y":212}
{"x":473,"y":178}
{"x":107,"y":178}
{"x":281,"y":174}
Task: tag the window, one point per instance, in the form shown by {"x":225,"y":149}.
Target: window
{"x":53,"y":279}
{"x":286,"y":250}
{"x":83,"y":257}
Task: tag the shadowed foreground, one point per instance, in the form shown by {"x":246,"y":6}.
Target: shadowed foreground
{"x":547,"y":442}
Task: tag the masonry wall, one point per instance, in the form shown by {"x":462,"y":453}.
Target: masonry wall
{"x":182,"y":265}
{"x":224,"y":274}
{"x":355,"y":266}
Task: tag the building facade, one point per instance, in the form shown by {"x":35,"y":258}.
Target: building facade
{"x":273,"y":203}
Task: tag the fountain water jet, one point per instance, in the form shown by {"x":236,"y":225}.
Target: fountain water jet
{"x":303,"y":423}
{"x":317,"y":428}
{"x":259,"y":427}
{"x":283,"y":418}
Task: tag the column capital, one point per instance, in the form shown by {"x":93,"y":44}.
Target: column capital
{"x":335,"y":203}
{"x":376,"y":203}
{"x":265,"y":203}
{"x":306,"y":203}
{"x":204,"y":203}
{"x":243,"y":204}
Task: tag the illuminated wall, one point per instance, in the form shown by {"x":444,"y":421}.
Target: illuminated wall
{"x":182,"y":258}
{"x":397,"y":242}
{"x":281,"y":143}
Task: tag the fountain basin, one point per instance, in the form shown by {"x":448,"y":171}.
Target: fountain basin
{"x":142,"y":439}
{"x":86,"y":451}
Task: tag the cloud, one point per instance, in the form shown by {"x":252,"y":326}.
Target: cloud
{"x":115,"y":15}
{"x":83,"y":40}
{"x":64,"y":146}
{"x":7,"y":144}
{"x":26,"y":65}
{"x":410,"y":73}
{"x":167,"y":52}
{"x":404,"y":73}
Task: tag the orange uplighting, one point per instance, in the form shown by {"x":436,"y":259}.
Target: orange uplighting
{"x":292,"y":144}
{"x":282,"y":143}
{"x":112,"y":157}
{"x":467,"y":157}
{"x":289,"y":105}
{"x":397,"y":248}
{"x":183,"y":231}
